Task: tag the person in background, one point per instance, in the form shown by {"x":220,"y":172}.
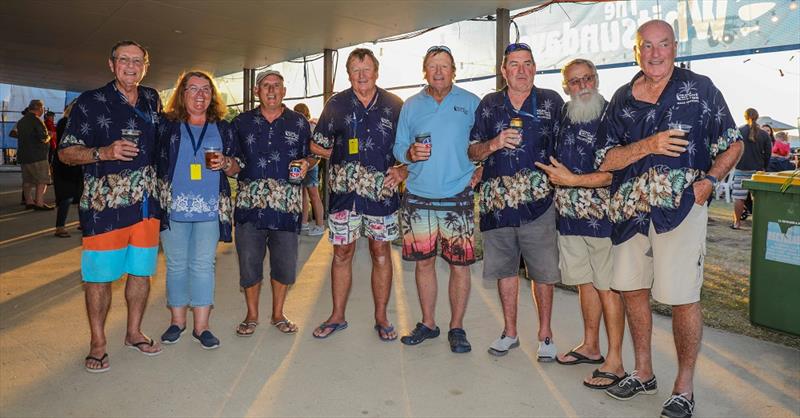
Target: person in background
{"x":757,"y":151}
{"x":32,"y":154}
{"x":779,"y":161}
{"x":67,"y":180}
{"x":49,"y":122}
{"x":311,"y":187}
{"x":768,"y":129}
{"x":195,"y":198}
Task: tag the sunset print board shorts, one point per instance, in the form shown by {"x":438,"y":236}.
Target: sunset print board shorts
{"x":448,"y":223}
{"x":132,"y":250}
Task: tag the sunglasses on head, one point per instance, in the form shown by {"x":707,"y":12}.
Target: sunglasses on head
{"x":439,"y":48}
{"x":517,"y":47}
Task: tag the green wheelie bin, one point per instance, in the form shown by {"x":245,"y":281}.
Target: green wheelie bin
{"x":775,"y":251}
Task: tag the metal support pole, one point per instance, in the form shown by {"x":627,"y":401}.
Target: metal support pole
{"x":327,"y":92}
{"x":503,"y":27}
{"x":246,"y":90}
{"x":252,"y":84}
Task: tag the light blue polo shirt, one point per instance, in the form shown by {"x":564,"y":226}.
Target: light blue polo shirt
{"x":449,"y":169}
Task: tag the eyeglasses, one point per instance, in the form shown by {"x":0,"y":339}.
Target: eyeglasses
{"x":517,"y":47}
{"x":439,"y":48}
{"x":587,"y":79}
{"x":136,"y":61}
{"x":194,"y":90}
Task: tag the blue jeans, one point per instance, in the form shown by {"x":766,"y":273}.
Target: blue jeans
{"x":190,"y":249}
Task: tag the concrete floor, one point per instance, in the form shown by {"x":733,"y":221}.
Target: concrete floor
{"x":44,"y":337}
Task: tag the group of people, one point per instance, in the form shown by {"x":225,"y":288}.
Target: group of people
{"x":608,"y":196}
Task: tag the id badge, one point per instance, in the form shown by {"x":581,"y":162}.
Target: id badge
{"x":195,"y":171}
{"x":352,"y":145}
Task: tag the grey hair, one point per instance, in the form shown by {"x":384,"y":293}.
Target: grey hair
{"x":577,"y":61}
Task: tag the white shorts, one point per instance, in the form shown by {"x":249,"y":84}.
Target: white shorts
{"x":585,"y":260}
{"x":671,"y":263}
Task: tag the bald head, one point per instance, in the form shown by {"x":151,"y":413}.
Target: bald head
{"x":657,"y":25}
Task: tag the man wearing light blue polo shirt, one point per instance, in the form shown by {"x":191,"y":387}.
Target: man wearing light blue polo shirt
{"x":432,"y":138}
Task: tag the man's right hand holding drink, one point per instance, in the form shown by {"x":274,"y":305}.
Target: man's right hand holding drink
{"x":507,"y":138}
{"x":671,"y":143}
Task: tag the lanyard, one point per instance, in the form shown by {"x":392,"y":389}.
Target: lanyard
{"x":355,"y":113}
{"x":147,"y":119}
{"x":196,"y":144}
{"x":520,"y":112}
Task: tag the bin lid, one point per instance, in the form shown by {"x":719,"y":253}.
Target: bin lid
{"x":777,"y":178}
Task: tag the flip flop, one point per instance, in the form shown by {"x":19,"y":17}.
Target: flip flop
{"x":333,"y":326}
{"x":249,"y":328}
{"x":385,"y":331}
{"x":285,"y":326}
{"x":99,"y":360}
{"x":580,"y":359}
{"x":606,"y":375}
{"x":138,"y":347}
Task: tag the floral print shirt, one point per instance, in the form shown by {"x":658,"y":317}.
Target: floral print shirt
{"x":356,"y":179}
{"x":116,"y":194}
{"x":513,"y":191}
{"x":657,"y":188}
{"x":581,"y":211}
{"x":169,"y":144}
{"x":264,"y":195}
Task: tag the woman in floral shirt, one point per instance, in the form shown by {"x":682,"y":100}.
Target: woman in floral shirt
{"x":195,"y":198}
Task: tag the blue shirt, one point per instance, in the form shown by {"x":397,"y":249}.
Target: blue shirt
{"x":116,"y":194}
{"x":513,"y":191}
{"x":658,"y":188}
{"x":264,"y":196}
{"x":448,"y":171}
{"x":195,"y":200}
{"x":356,"y":180}
{"x":581,"y":211}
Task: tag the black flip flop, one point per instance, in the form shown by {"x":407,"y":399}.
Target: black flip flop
{"x":100,"y":360}
{"x":580,"y":359}
{"x":606,"y":375}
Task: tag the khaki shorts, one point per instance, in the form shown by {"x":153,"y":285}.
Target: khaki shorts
{"x":585,"y":260}
{"x":671,"y":263}
{"x":36,"y":173}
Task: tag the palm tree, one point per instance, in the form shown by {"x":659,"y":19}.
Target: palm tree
{"x":409,"y":215}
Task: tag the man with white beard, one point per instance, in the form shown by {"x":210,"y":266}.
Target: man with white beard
{"x":584,"y":229}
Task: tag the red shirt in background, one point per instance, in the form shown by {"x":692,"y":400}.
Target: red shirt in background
{"x":51,"y":129}
{"x":780,"y":148}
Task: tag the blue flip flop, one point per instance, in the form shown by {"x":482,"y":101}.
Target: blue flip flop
{"x":383,"y":331}
{"x":333,"y":326}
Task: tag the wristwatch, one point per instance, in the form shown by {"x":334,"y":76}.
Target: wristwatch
{"x":96,"y":154}
{"x":712,"y":179}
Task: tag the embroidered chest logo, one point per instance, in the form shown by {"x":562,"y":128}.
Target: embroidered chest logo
{"x":291,"y":137}
{"x":386,"y":123}
{"x":460,"y":109}
{"x":586,"y":136}
{"x":687,"y":93}
{"x":544,"y":111}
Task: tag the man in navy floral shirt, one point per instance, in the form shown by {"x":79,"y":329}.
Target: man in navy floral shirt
{"x":584,"y":231}
{"x":111,"y":133}
{"x":517,"y":215}
{"x":356,"y":132}
{"x":268,"y":207}
{"x":669,"y":136}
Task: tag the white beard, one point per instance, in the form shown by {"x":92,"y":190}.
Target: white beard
{"x":582,"y":111}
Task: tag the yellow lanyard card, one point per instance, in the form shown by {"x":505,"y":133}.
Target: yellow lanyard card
{"x":353,"y":145}
{"x":195,"y":171}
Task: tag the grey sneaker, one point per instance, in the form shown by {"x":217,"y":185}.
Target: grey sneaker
{"x":678,"y":406}
{"x":631,"y":386}
{"x":502,"y":345}
{"x":315,"y":230}
{"x":303,"y":227}
{"x":547,"y":351}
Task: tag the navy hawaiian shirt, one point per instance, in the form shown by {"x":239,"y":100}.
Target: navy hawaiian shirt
{"x":169,"y":142}
{"x":116,"y":194}
{"x":513,"y":191}
{"x":659,"y":188}
{"x":264,"y":196}
{"x":581,"y":211}
{"x":356,"y":179}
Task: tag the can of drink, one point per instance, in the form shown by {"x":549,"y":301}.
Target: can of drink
{"x":295,"y":168}
{"x":516,"y":123}
{"x":423,"y":138}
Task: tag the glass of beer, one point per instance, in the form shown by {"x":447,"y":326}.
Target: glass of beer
{"x":211,"y":153}
{"x":131,"y":135}
{"x":680,"y":127}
